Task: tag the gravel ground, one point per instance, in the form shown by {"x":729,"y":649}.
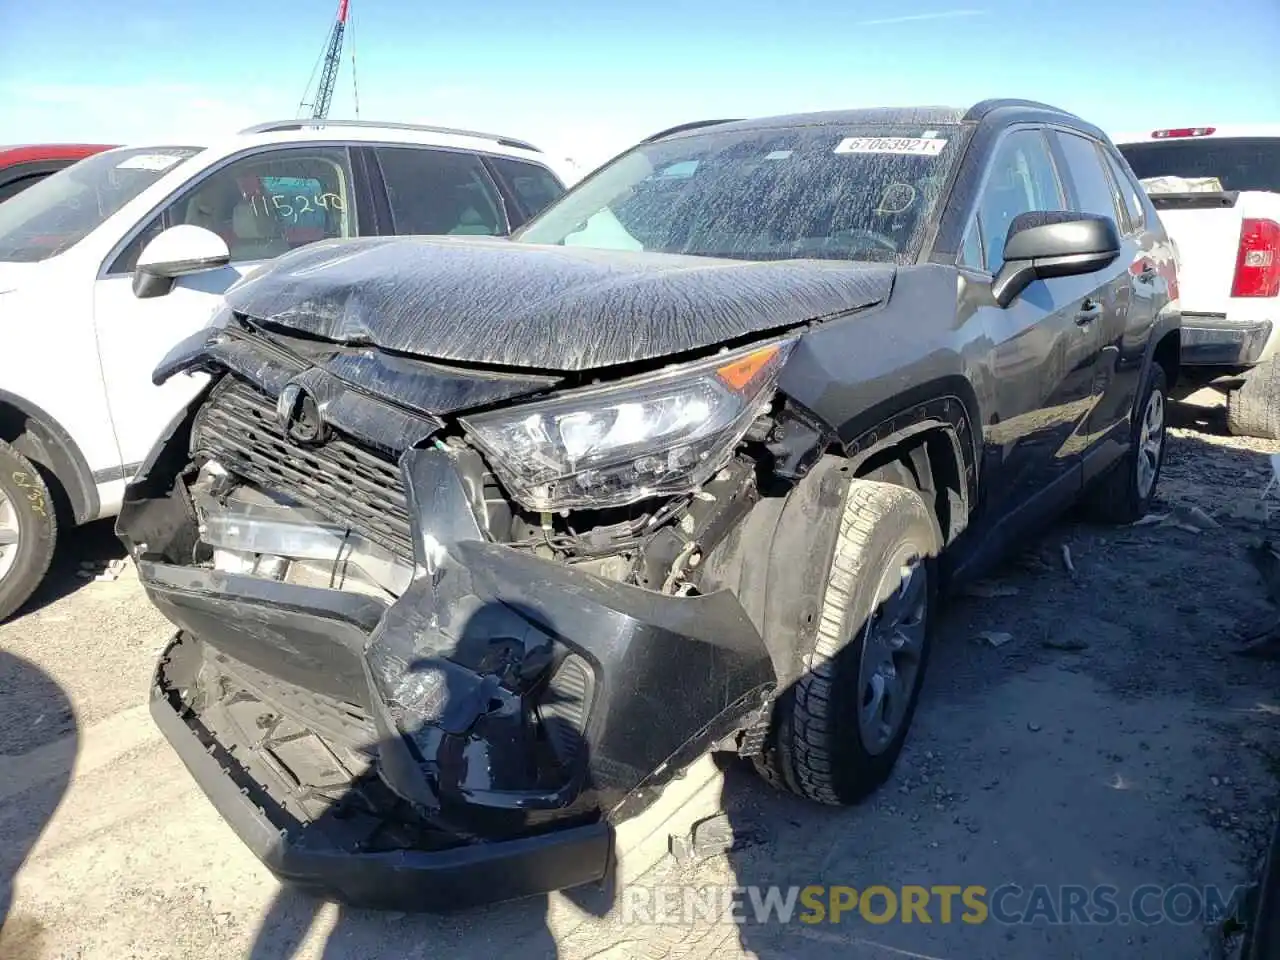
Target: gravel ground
{"x":1115,"y":738}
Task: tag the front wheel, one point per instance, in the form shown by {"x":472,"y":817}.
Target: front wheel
{"x":28,"y":529}
{"x":837,"y":731}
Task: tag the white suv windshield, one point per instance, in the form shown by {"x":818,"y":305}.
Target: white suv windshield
{"x":829,"y":192}
{"x":60,"y":210}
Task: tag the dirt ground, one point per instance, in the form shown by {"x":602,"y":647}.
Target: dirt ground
{"x":1115,"y":738}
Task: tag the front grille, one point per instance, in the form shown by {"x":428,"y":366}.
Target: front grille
{"x":341,"y":480}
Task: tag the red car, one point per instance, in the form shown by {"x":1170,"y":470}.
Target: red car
{"x":21,"y":166}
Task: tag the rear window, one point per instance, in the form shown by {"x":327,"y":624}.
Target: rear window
{"x":1239,"y":163}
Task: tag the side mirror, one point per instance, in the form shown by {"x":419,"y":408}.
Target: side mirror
{"x":176,"y":252}
{"x":1053,"y":244}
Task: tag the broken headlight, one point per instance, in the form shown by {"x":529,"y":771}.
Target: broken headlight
{"x":659,"y":434}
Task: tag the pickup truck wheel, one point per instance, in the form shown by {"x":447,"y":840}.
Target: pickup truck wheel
{"x":1253,"y":408}
{"x":837,"y":731}
{"x":28,"y":529}
{"x":1124,"y":493}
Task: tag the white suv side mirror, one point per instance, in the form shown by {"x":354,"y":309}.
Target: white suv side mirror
{"x":176,"y":252}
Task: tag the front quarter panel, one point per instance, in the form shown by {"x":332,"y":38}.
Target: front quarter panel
{"x":861,"y":371}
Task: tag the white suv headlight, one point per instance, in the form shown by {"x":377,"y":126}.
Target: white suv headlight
{"x":660,"y":434}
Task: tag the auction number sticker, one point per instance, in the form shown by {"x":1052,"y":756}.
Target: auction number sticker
{"x":148,"y":161}
{"x":909,"y":146}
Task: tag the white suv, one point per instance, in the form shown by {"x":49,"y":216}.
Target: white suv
{"x":107,"y":264}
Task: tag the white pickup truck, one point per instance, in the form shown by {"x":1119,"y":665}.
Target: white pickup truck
{"x":1218,"y":193}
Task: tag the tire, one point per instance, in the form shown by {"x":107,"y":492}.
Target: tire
{"x":822,"y":745}
{"x":1253,"y":408}
{"x":1123,"y":494}
{"x":27,"y":511}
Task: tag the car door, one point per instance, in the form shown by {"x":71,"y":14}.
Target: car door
{"x":1043,"y":345}
{"x":1150,"y":275}
{"x":262,"y":204}
{"x":436,"y":191}
{"x":1123,"y":293}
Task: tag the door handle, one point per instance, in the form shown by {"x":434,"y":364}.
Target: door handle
{"x":1089,"y":311}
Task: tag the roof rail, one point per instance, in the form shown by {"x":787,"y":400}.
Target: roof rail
{"x":980,"y":110}
{"x":681,"y":128}
{"x":274,"y":126}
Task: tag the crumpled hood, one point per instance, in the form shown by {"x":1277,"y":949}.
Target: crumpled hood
{"x":498,"y":302}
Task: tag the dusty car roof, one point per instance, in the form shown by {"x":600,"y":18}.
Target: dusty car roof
{"x":888,"y":116}
{"x":827,"y":118}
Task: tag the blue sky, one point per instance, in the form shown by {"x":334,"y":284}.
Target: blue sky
{"x":588,"y":78}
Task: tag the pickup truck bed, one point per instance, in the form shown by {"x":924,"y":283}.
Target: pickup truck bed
{"x":1217,"y":191}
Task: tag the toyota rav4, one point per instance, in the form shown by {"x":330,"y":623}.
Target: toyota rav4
{"x":474,"y":544}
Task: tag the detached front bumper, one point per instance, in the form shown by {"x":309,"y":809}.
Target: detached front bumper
{"x":312,"y":858}
{"x":1211,"y":339}
{"x":274,"y":694}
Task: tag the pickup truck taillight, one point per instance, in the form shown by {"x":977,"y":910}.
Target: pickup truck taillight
{"x":1258,"y":262}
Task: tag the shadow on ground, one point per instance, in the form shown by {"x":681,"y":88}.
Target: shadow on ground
{"x":38,"y":745}
{"x":82,"y":553}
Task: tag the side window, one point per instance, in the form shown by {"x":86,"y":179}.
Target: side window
{"x":262,"y":205}
{"x":1093,"y":193}
{"x":440,"y":192}
{"x":1021,"y":179}
{"x":1128,"y":193}
{"x":534,"y":186}
{"x":971,"y":248}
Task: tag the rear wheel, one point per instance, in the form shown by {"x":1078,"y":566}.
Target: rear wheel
{"x":837,"y":731}
{"x":1253,"y":408}
{"x":1124,"y":493}
{"x":28,"y":529}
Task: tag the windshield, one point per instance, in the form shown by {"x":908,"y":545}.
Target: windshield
{"x":1239,"y":163}
{"x":829,"y":192}
{"x":62,"y":209}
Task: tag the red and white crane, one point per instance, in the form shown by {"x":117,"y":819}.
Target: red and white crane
{"x":317,"y":107}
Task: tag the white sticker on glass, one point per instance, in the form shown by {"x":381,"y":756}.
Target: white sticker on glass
{"x":148,"y":161}
{"x":909,"y":146}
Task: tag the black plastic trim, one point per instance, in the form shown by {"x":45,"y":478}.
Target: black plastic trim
{"x":64,"y":457}
{"x":407,"y":880}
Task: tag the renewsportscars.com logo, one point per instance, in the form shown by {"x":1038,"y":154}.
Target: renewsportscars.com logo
{"x":1008,"y":904}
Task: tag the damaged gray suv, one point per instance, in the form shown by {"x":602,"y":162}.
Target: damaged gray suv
{"x":473,"y":544}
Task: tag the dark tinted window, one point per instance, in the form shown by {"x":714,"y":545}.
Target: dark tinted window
{"x":1240,"y":163}
{"x":440,"y":192}
{"x":262,"y":205}
{"x":534,"y":186}
{"x":1093,"y":193}
{"x":1021,"y":180}
{"x":829,"y":192}
{"x":17,"y":185}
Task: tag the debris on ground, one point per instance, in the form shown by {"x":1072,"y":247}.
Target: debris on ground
{"x":1184,"y":516}
{"x":709,"y":837}
{"x":1066,"y":559}
{"x":985,"y":590}
{"x":995,"y":638}
{"x":108,"y":574}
